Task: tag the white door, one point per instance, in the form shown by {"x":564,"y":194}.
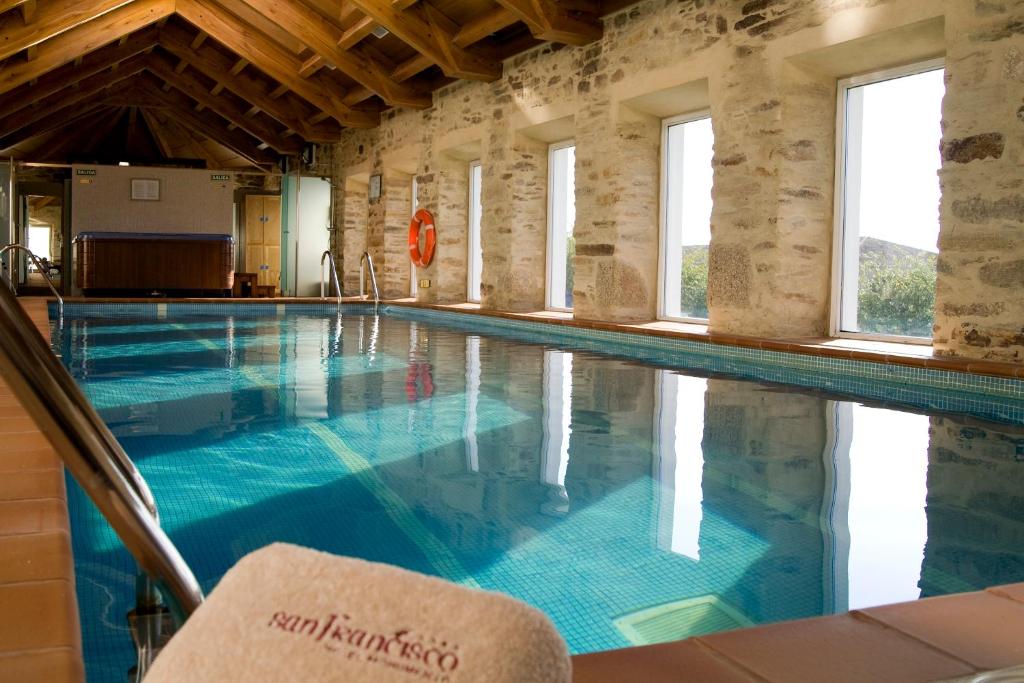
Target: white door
{"x":314,"y":237}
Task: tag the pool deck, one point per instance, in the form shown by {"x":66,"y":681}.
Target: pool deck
{"x":40,"y":638}
{"x":926,"y":640}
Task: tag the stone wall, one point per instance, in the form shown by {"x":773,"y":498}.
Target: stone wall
{"x":767,"y":70}
{"x":980,"y":292}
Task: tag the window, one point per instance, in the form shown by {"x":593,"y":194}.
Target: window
{"x":476,"y":255}
{"x":887,"y":221}
{"x":687,"y":148}
{"x":561,"y":218}
{"x":413,"y":204}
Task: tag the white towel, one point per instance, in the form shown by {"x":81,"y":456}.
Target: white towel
{"x":285,"y":613}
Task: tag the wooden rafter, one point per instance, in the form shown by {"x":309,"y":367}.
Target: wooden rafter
{"x":85,"y":38}
{"x":221,"y":68}
{"x":551,"y":20}
{"x":54,"y":120}
{"x":431,"y":33}
{"x":227,"y":107}
{"x":471,"y":32}
{"x":179,"y":106}
{"x":324,"y":39}
{"x":69,"y":74}
{"x":265,"y":55}
{"x":85,"y":90}
{"x":52,"y":19}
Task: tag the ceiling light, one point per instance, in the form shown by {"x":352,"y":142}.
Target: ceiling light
{"x":122,"y":163}
{"x":379,"y":32}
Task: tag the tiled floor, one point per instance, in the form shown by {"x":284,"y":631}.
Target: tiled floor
{"x":39,"y":634}
{"x":926,"y":640}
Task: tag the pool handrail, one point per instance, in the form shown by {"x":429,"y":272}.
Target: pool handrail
{"x":329,"y":257}
{"x":14,"y":246}
{"x":373,"y":278}
{"x":92,"y":455}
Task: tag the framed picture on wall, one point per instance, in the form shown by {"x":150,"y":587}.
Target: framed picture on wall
{"x":374,"y":192}
{"x":145,"y":189}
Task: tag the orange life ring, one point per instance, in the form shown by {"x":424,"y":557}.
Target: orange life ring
{"x":423,"y":219}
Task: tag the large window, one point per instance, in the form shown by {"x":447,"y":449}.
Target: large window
{"x":687,"y":148}
{"x":888,"y":202}
{"x":561,"y":218}
{"x":476,"y":256}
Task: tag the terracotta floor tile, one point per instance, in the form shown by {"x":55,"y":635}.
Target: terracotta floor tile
{"x":37,"y":459}
{"x":16,"y":425}
{"x":32,"y":484}
{"x":685,"y":660}
{"x":62,"y":665}
{"x":26,"y":441}
{"x":36,"y":557}
{"x":38,"y":615}
{"x":840,"y":649}
{"x":1012,"y":591}
{"x":33,"y":516}
{"x":980,"y":628}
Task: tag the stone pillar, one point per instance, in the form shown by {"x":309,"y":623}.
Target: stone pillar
{"x":395,"y":207}
{"x":513,"y":227}
{"x":617,"y":206}
{"x":447,"y":272}
{"x":353,"y":236}
{"x":769,"y":260}
{"x":979,"y":306}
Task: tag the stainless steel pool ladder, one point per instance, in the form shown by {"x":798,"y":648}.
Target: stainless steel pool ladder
{"x":373,"y":278}
{"x":94,"y":458}
{"x":329,"y":257}
{"x":10,"y":281}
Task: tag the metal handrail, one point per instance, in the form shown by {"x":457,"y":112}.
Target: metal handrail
{"x":373,"y":278}
{"x":15,"y":247}
{"x":92,"y":455}
{"x":329,"y":257}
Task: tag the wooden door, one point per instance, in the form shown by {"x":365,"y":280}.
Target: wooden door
{"x":263,"y":238}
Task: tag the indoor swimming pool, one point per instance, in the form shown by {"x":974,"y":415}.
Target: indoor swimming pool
{"x":635,"y":492}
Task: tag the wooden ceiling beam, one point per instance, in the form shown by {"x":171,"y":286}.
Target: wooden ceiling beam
{"x":54,"y":120}
{"x":28,"y":11}
{"x":221,"y":68}
{"x":159,"y":135}
{"x":227,"y":107}
{"x":86,"y":90}
{"x":429,"y":32}
{"x":96,"y":121}
{"x":323,"y":38}
{"x":84,"y":39}
{"x":550,"y":20}
{"x":179,"y":107}
{"x":52,"y":19}
{"x":276,"y":62}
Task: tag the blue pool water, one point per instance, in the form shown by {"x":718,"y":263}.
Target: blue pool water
{"x":631,"y":501}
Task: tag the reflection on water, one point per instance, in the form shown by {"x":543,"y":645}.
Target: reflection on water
{"x":593,"y":487}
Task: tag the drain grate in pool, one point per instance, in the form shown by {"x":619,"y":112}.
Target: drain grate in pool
{"x":680,"y":619}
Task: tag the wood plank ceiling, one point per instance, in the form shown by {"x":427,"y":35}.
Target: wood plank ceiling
{"x":239,"y":83}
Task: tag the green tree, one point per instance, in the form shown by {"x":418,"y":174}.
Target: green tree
{"x":897,"y":297}
{"x":693,"y":288}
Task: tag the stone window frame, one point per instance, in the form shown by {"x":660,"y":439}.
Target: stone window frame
{"x":548,"y":261}
{"x":474,"y":232}
{"x":840,"y":238}
{"x":666,"y":123}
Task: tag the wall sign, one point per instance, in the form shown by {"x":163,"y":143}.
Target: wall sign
{"x":374,"y":192}
{"x":220,"y":176}
{"x":146,"y":189}
{"x":85,"y":171}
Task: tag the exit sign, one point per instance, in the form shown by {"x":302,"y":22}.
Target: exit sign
{"x":220,"y":176}
{"x":86,"y":171}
